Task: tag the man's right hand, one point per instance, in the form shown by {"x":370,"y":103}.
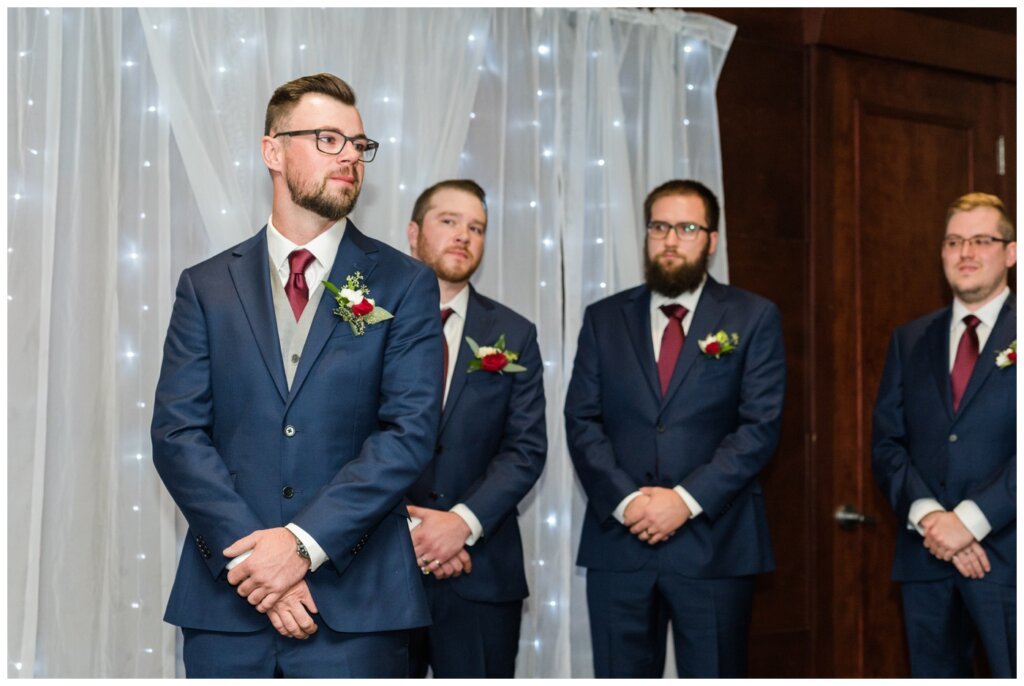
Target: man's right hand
{"x":290,"y":615}
{"x":459,"y":564}
{"x":972,"y":561}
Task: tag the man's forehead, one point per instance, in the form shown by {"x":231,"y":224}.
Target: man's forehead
{"x":320,"y":111}
{"x":974,"y":217}
{"x":443,"y":202}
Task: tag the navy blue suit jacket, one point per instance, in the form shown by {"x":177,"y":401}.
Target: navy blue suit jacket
{"x":922,"y":449}
{"x":712,"y":433}
{"x":363,"y":412}
{"x":490,"y":450}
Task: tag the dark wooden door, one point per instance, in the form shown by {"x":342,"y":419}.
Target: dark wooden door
{"x":892,"y":146}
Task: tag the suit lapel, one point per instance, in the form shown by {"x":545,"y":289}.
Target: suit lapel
{"x":637,"y":312}
{"x":480,"y":327}
{"x":1002,"y":334}
{"x":937,"y":337}
{"x":250,"y":274}
{"x":356,"y":253}
{"x":710,"y":309}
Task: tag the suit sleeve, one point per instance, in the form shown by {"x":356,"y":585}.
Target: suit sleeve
{"x":183,"y":452}
{"x":392,"y":457}
{"x":997,"y":498}
{"x":744,"y":452}
{"x":520,"y":459}
{"x":890,"y":457}
{"x":604,"y":482}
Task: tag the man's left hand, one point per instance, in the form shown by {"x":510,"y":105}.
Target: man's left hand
{"x":439,"y":537}
{"x":273,"y":568}
{"x":664,"y":513}
{"x":945,"y":534}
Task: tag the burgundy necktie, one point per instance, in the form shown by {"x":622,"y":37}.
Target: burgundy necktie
{"x":445,"y":313}
{"x":296,"y":288}
{"x":671,"y":343}
{"x":966,"y":356}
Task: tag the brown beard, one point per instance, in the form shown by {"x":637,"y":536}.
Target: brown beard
{"x":318,"y":201}
{"x":673,"y":282}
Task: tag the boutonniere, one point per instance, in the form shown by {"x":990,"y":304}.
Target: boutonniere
{"x":493,"y":358}
{"x":718,"y":344}
{"x":1007,"y":358}
{"x":354,"y":304}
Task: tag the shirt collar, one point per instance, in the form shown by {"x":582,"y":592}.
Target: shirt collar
{"x":988,"y":313}
{"x":324,"y":247}
{"x":460,"y":303}
{"x":688,"y":299}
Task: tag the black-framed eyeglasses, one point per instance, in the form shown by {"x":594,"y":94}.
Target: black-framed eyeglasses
{"x":685,"y":231}
{"x":332,"y":142}
{"x":980,"y":242}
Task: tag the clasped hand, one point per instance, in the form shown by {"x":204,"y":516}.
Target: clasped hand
{"x":439,"y":542}
{"x":946,"y":537}
{"x":655,"y":514}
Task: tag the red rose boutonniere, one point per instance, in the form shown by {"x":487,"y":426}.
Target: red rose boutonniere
{"x":493,"y":358}
{"x":1007,"y":358}
{"x":354,"y":304}
{"x":717,"y":344}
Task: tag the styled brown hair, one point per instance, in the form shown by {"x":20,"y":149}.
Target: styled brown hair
{"x":419,"y":210}
{"x":685,"y":187}
{"x":972,"y":201}
{"x":284,"y":99}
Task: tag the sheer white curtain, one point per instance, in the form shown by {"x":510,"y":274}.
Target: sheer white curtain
{"x":133,"y":153}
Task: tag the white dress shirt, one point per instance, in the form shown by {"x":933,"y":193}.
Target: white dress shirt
{"x":324,"y":248}
{"x":967,"y":510}
{"x":453,"y":329}
{"x":659,"y":321}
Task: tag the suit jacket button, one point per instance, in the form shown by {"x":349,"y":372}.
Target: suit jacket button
{"x":649,"y":477}
{"x":289,"y":431}
{"x":952,"y":438}
{"x":434,"y":495}
{"x":288,"y":491}
{"x":661,"y":428}
{"x":438,"y":449}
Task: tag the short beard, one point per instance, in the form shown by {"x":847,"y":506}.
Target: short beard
{"x":683,"y":279}
{"x":319,"y":202}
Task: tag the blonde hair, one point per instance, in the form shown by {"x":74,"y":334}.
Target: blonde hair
{"x":972,"y":201}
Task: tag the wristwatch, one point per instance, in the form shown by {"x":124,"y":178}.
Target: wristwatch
{"x":300,"y":548}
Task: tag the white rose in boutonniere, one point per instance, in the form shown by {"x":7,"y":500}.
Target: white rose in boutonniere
{"x":493,"y":358}
{"x":717,"y":344}
{"x":354,"y":304}
{"x":1007,"y":358}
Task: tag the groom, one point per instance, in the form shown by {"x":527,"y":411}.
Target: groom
{"x":288,"y":426}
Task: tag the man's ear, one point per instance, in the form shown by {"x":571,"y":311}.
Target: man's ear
{"x":713,"y":237}
{"x":270,"y":148}
{"x":412,"y":232}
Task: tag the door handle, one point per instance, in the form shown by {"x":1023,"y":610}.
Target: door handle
{"x":848,"y":518}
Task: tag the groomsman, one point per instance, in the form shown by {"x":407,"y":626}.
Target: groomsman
{"x":944,"y":453}
{"x":673,"y":410}
{"x":490,"y":451}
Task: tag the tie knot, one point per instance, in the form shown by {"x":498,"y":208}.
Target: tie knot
{"x":674,"y":311}
{"x":445,"y":313}
{"x":971,"y":321}
{"x":299,"y":260}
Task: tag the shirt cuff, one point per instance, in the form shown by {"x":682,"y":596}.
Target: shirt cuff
{"x":620,"y":511}
{"x":317,"y":556}
{"x":237,"y":560}
{"x":414,"y":522}
{"x":476,"y":529}
{"x":973,"y":518}
{"x":695,"y":508}
{"x":918,"y":509}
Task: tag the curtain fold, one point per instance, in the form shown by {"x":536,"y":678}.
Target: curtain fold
{"x":133,"y":152}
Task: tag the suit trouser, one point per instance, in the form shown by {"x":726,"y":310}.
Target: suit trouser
{"x":265,"y":654}
{"x":467,"y":638}
{"x":630,"y":613}
{"x":944,"y":617}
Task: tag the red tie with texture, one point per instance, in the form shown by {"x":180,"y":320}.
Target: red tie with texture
{"x":966,"y":356}
{"x":445,"y":313}
{"x":671,"y":343}
{"x":296,"y":288}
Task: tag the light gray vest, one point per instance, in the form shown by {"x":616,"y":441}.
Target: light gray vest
{"x":292,"y":333}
